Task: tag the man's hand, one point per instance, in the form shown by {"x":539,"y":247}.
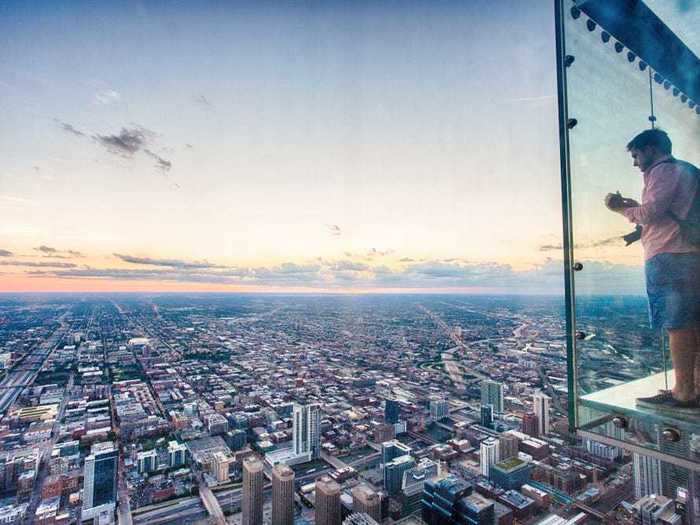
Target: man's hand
{"x":617,"y":203}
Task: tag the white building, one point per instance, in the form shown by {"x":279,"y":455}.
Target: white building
{"x":306,"y":432}
{"x":540,"y":403}
{"x":488,"y":455}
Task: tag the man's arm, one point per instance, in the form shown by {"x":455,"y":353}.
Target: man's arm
{"x":661,"y":189}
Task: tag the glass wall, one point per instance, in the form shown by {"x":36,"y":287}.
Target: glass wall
{"x":611,"y":95}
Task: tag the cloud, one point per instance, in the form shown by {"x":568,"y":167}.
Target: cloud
{"x":378,"y":253}
{"x":406,"y":260}
{"x":172,"y":263}
{"x":127,"y":142}
{"x":321,"y":273}
{"x":108,"y":96}
{"x":55,"y":253}
{"x":130,"y":141}
{"x":350,"y":265}
{"x":33,"y":264}
{"x":161,"y":163}
{"x":334,"y":230}
{"x":6,"y":253}
{"x":69,"y":128}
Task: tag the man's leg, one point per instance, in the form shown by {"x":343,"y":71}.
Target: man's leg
{"x":682,"y":344}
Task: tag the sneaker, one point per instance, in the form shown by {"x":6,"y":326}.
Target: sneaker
{"x":664,"y":400}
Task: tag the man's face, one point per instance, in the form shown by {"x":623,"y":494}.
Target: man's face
{"x":643,"y":158}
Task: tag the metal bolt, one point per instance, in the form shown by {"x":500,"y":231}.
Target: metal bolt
{"x":619,"y":422}
{"x":671,"y":435}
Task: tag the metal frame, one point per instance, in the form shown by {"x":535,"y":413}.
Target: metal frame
{"x":565,"y":167}
{"x":689,"y":464}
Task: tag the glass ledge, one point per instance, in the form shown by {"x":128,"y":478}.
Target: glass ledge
{"x":621,"y":400}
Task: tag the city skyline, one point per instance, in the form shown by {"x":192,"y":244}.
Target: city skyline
{"x":354,"y":149}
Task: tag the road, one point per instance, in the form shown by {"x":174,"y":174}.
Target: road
{"x":209,"y":500}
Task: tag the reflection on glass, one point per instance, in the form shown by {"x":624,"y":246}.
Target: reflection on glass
{"x":637,"y":304}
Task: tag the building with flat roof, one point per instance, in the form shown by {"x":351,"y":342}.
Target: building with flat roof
{"x":252,"y":492}
{"x":282,"y":495}
{"x":511,"y":474}
{"x":327,"y":505}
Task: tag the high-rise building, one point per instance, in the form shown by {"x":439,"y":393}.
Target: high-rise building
{"x":384,"y":432}
{"x":530,"y":424}
{"x":492,"y":394}
{"x":392,"y":411}
{"x":413,"y":483}
{"x":508,"y":446}
{"x":252,"y":497}
{"x":177,"y":453}
{"x":147,"y":461}
{"x":100,"y":482}
{"x":221,"y":466}
{"x":439,"y":409}
{"x":647,"y":475}
{"x":394,"y":449}
{"x":364,"y":499}
{"x":441,"y":500}
{"x":488,"y":455}
{"x":487,"y":416}
{"x":540,"y":402}
{"x":327,"y":511}
{"x":282,"y":495}
{"x":393,"y":473}
{"x":306,"y":432}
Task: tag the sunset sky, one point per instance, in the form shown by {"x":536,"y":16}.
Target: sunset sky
{"x":285,"y":146}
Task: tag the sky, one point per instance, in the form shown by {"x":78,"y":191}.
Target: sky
{"x":287,"y":146}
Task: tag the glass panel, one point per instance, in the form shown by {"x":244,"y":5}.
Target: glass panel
{"x":619,"y":359}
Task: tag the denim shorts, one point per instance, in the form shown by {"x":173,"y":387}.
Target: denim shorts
{"x":673,"y":289}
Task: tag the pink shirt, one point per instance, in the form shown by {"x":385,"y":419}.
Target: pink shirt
{"x":668,"y":186}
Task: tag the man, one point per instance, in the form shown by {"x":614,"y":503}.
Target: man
{"x":672,"y":265}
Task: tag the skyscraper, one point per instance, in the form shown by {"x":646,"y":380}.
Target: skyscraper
{"x":393,"y":473}
{"x":647,"y":475}
{"x":486,"y":416}
{"x":439,"y":409}
{"x":394,"y":449}
{"x":306,"y":433}
{"x":488,"y":455}
{"x":540,"y":401}
{"x":252,"y":498}
{"x":282,"y":495}
{"x":327,"y":510}
{"x":392,"y":411}
{"x":100,"y":480}
{"x":507,"y":446}
{"x":530,"y":424}
{"x":492,"y":394}
{"x":364,"y":499}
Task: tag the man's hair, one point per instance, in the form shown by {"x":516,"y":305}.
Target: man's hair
{"x":651,"y":137}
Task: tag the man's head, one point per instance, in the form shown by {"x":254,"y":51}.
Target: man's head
{"x":648,"y":147}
